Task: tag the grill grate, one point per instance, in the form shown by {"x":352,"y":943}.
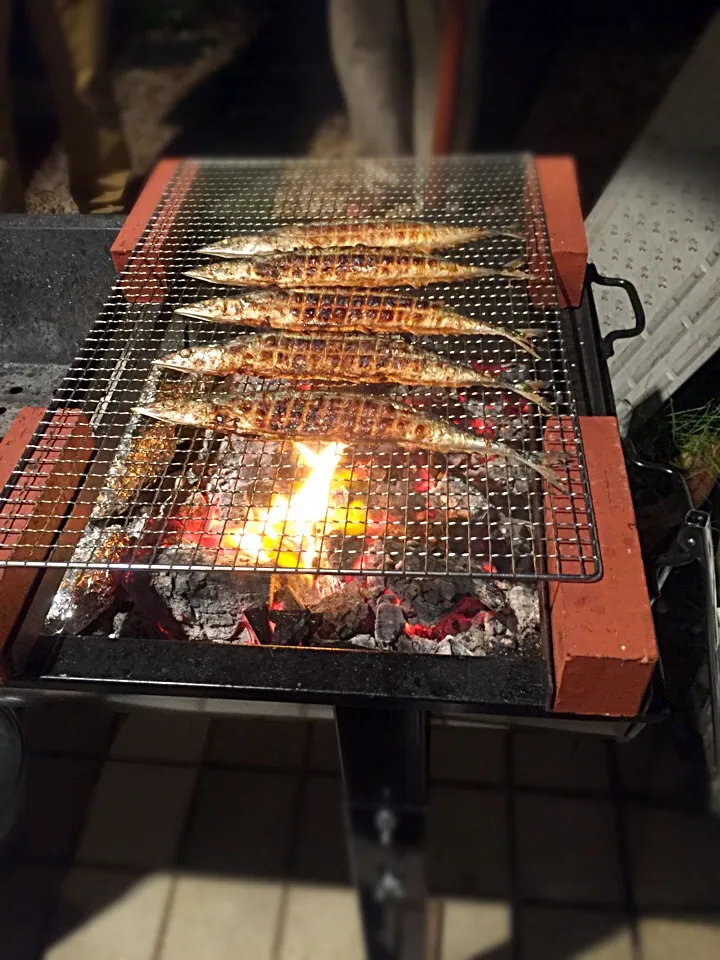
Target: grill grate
{"x":391,"y":511}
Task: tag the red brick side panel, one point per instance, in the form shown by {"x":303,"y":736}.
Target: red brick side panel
{"x":143,"y":209}
{"x":557,"y":177}
{"x":45,"y":490}
{"x":603,"y":638}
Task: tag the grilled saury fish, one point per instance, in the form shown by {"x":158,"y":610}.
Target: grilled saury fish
{"x":340,"y":309}
{"x":353,"y":267}
{"x":355,"y":358}
{"x":402,"y":234}
{"x":328,"y":416}
{"x":85,"y":594}
{"x":149,"y":453}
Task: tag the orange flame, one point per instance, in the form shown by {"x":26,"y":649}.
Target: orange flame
{"x":289,"y":533}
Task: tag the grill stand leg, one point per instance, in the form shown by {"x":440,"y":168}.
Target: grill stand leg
{"x":384,"y":767}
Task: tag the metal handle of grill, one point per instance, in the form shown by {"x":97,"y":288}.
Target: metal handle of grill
{"x":608,"y":342}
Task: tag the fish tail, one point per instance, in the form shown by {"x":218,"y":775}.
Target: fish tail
{"x":529,"y":390}
{"x":513,"y":232}
{"x":522,"y":338}
{"x":509,"y":270}
{"x":538,"y":462}
{"x":512,"y":269}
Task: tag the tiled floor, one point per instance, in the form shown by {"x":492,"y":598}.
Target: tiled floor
{"x":174,"y":836}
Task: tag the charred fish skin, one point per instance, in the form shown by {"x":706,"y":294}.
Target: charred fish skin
{"x":330,"y":416}
{"x":390,"y":234}
{"x":344,"y":310}
{"x":354,"y":267}
{"x":354,"y":358}
{"x":149,"y":453}
{"x":83,"y":595}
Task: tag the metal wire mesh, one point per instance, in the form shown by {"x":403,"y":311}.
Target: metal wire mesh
{"x":203,"y":499}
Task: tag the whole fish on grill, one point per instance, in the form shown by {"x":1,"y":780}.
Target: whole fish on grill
{"x":142,"y":456}
{"x":389,"y":234}
{"x":340,"y":310}
{"x":329,"y":416}
{"x":83,"y":595}
{"x":149,"y":453}
{"x":352,"y":267}
{"x":354,"y":358}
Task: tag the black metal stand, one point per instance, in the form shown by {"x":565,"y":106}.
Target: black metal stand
{"x":693,"y":544}
{"x":384,"y":765}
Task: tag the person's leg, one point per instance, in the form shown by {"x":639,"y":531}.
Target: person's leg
{"x":12,"y":196}
{"x":369,"y":48}
{"x":425,"y":23}
{"x":72,"y":35}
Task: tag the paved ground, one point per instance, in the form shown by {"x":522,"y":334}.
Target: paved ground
{"x":166,"y":836}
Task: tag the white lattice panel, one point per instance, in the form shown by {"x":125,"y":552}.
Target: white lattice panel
{"x":658,"y":225}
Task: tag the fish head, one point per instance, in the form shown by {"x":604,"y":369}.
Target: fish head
{"x":225,"y":271}
{"x":214,"y":308}
{"x":210,"y":360}
{"x":245,"y":245}
{"x":184,"y":412}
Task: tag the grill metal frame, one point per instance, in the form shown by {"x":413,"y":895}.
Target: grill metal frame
{"x":209,"y":199}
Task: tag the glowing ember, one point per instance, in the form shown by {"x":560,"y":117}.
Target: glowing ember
{"x":289,"y":533}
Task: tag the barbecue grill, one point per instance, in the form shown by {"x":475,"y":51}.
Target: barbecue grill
{"x":505,"y":576}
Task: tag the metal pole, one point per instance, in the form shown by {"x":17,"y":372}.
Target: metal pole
{"x":384,"y":768}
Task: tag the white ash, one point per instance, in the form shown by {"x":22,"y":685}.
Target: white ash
{"x":524,"y":601}
{"x":481,"y":640}
{"x":208,"y":605}
{"x":416,"y":645}
{"x":489,"y":593}
{"x":514,"y":430}
{"x":365,"y":641}
{"x":459,"y":498}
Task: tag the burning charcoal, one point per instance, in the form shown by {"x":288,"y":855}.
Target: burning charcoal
{"x":489,"y":594}
{"x":209,"y":605}
{"x":426,"y":598}
{"x":460,"y":500}
{"x":258,"y":618}
{"x":149,"y":605}
{"x":294,"y":629}
{"x":242,"y":460}
{"x":308,"y":591}
{"x":133,"y":624}
{"x":444,"y":648}
{"x":346,"y":613}
{"x":389,"y":623}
